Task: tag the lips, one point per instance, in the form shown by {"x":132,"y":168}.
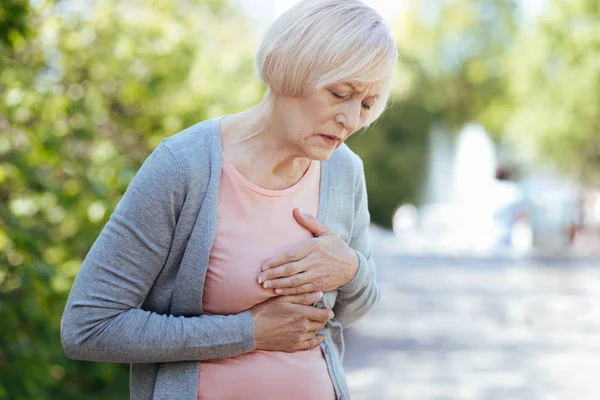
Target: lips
{"x":330,"y":140}
{"x":331,"y":137}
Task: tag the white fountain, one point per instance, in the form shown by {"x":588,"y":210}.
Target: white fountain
{"x":457,"y":216}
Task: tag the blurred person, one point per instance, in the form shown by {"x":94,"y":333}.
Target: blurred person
{"x":595,"y":213}
{"x":239,"y":251}
{"x":577,"y":220}
{"x":510,"y":211}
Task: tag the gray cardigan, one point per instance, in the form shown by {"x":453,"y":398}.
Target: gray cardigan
{"x":138,"y":295}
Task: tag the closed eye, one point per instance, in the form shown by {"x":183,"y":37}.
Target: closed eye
{"x":336,"y":95}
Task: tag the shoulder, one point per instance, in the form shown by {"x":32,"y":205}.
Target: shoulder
{"x":193,"y":143}
{"x":194,"y":150}
{"x":191,"y":155}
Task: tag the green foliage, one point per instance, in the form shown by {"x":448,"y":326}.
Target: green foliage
{"x":84,"y":97}
{"x":453,"y":60}
{"x":394,"y":152}
{"x":555,"y":88}
{"x":532,"y":82}
{"x":13,"y":24}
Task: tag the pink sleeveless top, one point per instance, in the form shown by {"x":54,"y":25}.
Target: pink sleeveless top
{"x":254,"y":224}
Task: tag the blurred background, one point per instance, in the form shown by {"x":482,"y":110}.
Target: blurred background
{"x":483,"y":178}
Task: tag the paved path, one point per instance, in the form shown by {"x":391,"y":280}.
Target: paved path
{"x":490,"y":329}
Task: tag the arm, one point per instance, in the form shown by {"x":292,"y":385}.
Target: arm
{"x":102,"y":321}
{"x":357,"y":297}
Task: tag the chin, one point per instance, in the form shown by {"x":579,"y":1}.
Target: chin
{"x":319,"y":154}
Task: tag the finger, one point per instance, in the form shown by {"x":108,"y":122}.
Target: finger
{"x":311,"y":223}
{"x":310,"y":344}
{"x":292,"y":281}
{"x":307,"y":336}
{"x":315,"y":326}
{"x":297,"y":253}
{"x":311,"y":327}
{"x":285,"y":270}
{"x":318,"y":314}
{"x":306,"y":288}
{"x":307,"y":299}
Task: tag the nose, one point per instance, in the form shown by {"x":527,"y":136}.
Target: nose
{"x":349,"y":116}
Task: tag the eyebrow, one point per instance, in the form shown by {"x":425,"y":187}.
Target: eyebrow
{"x":375,"y":96}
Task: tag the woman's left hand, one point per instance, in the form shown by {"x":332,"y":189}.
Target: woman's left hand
{"x":323,"y":263}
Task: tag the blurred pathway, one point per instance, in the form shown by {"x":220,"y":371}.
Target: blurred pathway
{"x":489,"y":329}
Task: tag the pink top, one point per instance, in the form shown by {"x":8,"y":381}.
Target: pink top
{"x":254,"y":224}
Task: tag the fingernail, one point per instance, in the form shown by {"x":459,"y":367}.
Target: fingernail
{"x":261,"y":279}
{"x":267,"y":285}
{"x":319,"y":295}
{"x":277,"y":291}
{"x":331,"y":315}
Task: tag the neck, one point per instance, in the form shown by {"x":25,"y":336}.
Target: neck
{"x":256,"y":142}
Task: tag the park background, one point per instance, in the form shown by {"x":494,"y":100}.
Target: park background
{"x":89,"y":88}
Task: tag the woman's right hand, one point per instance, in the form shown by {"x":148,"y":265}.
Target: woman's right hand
{"x":289,"y":323}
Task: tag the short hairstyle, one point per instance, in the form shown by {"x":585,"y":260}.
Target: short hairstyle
{"x":318,"y":43}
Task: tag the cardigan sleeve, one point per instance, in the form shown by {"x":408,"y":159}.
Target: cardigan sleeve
{"x":357,"y":297}
{"x":102,"y":320}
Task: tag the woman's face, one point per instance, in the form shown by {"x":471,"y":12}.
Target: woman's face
{"x":317,"y":123}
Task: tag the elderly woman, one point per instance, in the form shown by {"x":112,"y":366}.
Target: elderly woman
{"x":239,"y":250}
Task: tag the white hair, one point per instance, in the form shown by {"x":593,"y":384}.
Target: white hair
{"x":318,"y":43}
